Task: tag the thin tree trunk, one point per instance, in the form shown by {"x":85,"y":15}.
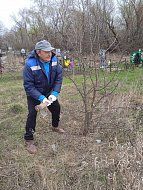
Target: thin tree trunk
{"x":87,"y":122}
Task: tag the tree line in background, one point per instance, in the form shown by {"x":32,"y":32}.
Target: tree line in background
{"x":82,"y":26}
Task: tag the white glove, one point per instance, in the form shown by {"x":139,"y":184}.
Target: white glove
{"x":45,"y":100}
{"x":52,"y":98}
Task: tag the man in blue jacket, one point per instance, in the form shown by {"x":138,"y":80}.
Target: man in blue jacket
{"x":42,"y":82}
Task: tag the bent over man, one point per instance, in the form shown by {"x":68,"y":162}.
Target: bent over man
{"x":42,"y":82}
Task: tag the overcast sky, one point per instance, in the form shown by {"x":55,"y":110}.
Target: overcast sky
{"x":10,"y":7}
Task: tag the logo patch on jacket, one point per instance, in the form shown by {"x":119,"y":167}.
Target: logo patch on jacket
{"x":54,"y":63}
{"x":35,"y":68}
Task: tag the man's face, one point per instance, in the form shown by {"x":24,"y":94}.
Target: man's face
{"x":45,"y":55}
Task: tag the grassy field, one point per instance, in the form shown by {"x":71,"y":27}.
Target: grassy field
{"x":73,"y":161}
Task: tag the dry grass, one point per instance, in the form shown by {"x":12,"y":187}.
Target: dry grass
{"x":71,"y":161}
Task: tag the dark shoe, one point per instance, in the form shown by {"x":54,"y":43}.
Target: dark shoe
{"x":58,"y":130}
{"x":31,"y":148}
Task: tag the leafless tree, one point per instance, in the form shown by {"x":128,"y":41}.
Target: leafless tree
{"x":131,"y":22}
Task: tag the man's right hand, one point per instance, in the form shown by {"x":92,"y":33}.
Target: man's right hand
{"x":46,"y":101}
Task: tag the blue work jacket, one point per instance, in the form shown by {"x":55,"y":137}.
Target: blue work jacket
{"x":36,"y":83}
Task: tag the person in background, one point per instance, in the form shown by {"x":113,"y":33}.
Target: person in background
{"x":23,"y":52}
{"x":23,"y":55}
{"x":42,"y":77}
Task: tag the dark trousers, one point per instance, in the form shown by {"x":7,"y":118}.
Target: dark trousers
{"x":54,"y":108}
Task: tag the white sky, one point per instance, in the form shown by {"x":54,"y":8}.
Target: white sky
{"x":10,"y":7}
